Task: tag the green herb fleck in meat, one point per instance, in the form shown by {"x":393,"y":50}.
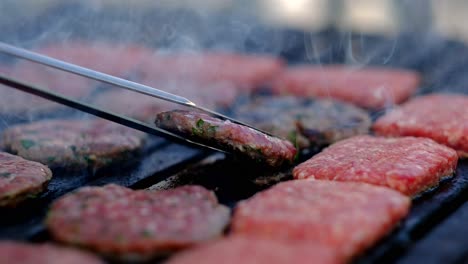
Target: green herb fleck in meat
{"x":292,"y":136}
{"x":198,"y":128}
{"x":147,"y":233}
{"x":212,"y":129}
{"x":73,"y":148}
{"x":5,"y":174}
{"x":51,"y":159}
{"x":120,"y":238}
{"x":27,"y":143}
{"x":200,"y":123}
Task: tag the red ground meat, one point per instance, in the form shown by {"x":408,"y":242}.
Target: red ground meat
{"x":248,"y":250}
{"x":368,"y":87}
{"x":409,"y":165}
{"x":229,"y":136}
{"x":124,"y":223}
{"x":21,"y":179}
{"x":14,"y":101}
{"x":218,"y":69}
{"x":441,"y":117}
{"x":22,"y":253}
{"x":347,"y":217}
{"x":115,"y":59}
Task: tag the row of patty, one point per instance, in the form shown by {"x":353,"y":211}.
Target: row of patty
{"x":289,"y":216}
{"x":213,"y":79}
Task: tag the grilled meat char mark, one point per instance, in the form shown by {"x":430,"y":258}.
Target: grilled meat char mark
{"x":73,"y":143}
{"x":441,"y":117}
{"x":136,"y":225}
{"x":21,"y":179}
{"x":16,"y":252}
{"x":345,"y":217}
{"x":305,"y":122}
{"x":227,"y":135}
{"x":407,"y":164}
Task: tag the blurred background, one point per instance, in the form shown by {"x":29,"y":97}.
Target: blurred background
{"x":384,"y":16}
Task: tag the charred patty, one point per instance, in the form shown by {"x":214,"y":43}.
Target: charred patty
{"x":117,"y":221}
{"x":22,"y":253}
{"x":73,"y":143}
{"x":407,"y":164}
{"x":227,"y":135}
{"x":303,"y":121}
{"x":21,"y":179}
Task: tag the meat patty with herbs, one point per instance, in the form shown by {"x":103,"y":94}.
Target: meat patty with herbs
{"x":305,"y":122}
{"x":137,"y":225}
{"x":21,"y":179}
{"x":73,"y":143}
{"x":230,"y":136}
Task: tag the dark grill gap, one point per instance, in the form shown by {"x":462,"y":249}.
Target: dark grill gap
{"x":442,"y":63}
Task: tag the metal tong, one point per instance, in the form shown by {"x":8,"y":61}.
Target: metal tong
{"x":109,"y":79}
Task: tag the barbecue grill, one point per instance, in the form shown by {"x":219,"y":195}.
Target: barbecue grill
{"x":435,"y":229}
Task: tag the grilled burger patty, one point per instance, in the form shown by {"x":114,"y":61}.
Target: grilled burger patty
{"x":73,"y":143}
{"x":346,"y":217}
{"x":305,"y":122}
{"x":240,"y":139}
{"x":20,"y":179}
{"x":441,"y":117}
{"x":408,"y":164}
{"x":248,"y":250}
{"x":121,"y":222}
{"x":22,"y":253}
{"x":366,"y":87}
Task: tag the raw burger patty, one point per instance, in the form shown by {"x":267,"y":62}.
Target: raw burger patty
{"x":73,"y":143}
{"x":15,"y":102}
{"x":22,"y":253}
{"x":442,"y":117}
{"x":368,"y":87}
{"x":20,"y":179}
{"x":346,"y":217}
{"x":305,"y":122}
{"x":243,"y":140}
{"x":247,"y":250}
{"x":408,"y":164}
{"x":115,"y":59}
{"x":240,"y":71}
{"x":118,"y":221}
